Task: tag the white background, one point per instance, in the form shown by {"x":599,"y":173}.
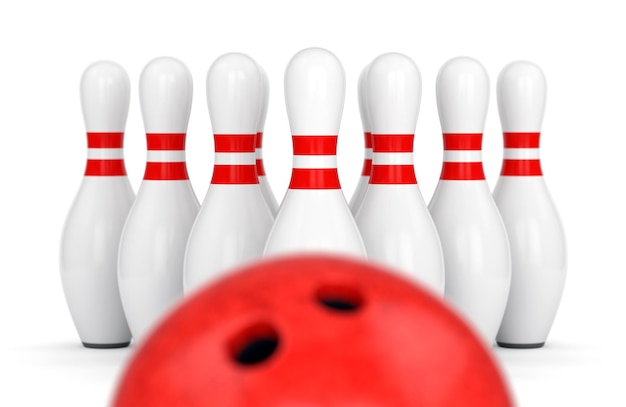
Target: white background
{"x":45,"y":46}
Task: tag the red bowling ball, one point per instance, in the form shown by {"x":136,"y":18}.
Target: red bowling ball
{"x":309,"y":331}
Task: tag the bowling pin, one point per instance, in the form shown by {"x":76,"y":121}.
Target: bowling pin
{"x":359,"y":192}
{"x":314,"y":215}
{"x":91,"y":235}
{"x":266,"y":189}
{"x":153,"y":241}
{"x":538,"y":246}
{"x":395,"y":224}
{"x":472,"y":234}
{"x":234,"y":220}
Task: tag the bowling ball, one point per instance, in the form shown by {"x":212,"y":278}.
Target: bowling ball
{"x":312,"y":330}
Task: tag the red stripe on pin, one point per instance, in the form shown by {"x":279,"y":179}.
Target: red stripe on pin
{"x":393,"y":174}
{"x":460,"y":171}
{"x":367,"y":167}
{"x":521,"y":140}
{"x":260,"y":168}
{"x":521,"y":168}
{"x":462,"y":141}
{"x":259,"y":139}
{"x":234,"y":174}
{"x":393,"y":143}
{"x":166,"y":141}
{"x":314,"y":145}
{"x":166,"y":171}
{"x":368,"y":139}
{"x":314,"y":178}
{"x":235,"y":143}
{"x":105,"y":168}
{"x":105,"y":140}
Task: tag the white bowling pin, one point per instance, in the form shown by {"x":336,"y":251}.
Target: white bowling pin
{"x":359,"y":192}
{"x":91,"y":235}
{"x":472,"y":234}
{"x":314,"y":215}
{"x":234,"y":220}
{"x":538,"y":246}
{"x":266,"y":189}
{"x":153,"y":241}
{"x":395,"y":224}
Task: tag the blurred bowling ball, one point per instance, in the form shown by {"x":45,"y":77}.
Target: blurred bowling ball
{"x":308,"y":331}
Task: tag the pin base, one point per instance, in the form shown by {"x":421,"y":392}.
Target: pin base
{"x":520,"y":345}
{"x":106,"y":345}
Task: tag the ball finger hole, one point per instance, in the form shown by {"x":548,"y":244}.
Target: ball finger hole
{"x":338,"y":298}
{"x":254,"y":345}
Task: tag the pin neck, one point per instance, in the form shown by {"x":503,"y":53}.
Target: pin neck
{"x":392,"y":161}
{"x":521,"y":154}
{"x":166,"y":157}
{"x":235,"y":161}
{"x":105,"y":156}
{"x":462,"y":160}
{"x":315,"y":162}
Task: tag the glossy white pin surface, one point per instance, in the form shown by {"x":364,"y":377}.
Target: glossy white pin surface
{"x":359,"y":192}
{"x":268,"y":194}
{"x":315,"y":87}
{"x":395,"y":223}
{"x":165,"y":95}
{"x":234,"y":220}
{"x":536,"y":236}
{"x":90,"y":237}
{"x":521,"y":95}
{"x":314,"y":215}
{"x":152,"y":246}
{"x":471,"y":231}
{"x":105,"y":97}
{"x":462,"y":96}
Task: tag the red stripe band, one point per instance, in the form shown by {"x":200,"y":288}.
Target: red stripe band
{"x":260,"y":168}
{"x":368,"y":139}
{"x":166,"y":141}
{"x":259,"y":139}
{"x":392,"y":143}
{"x":521,"y":168}
{"x":234,"y":174}
{"x":462,"y":141}
{"x":314,"y":145}
{"x":459,"y":171}
{"x":234,"y":143}
{"x":367,"y":167}
{"x":393,"y":174}
{"x":105,"y":168}
{"x":314,"y":178}
{"x":521,"y":140}
{"x":105,"y":140}
{"x":166,"y":171}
